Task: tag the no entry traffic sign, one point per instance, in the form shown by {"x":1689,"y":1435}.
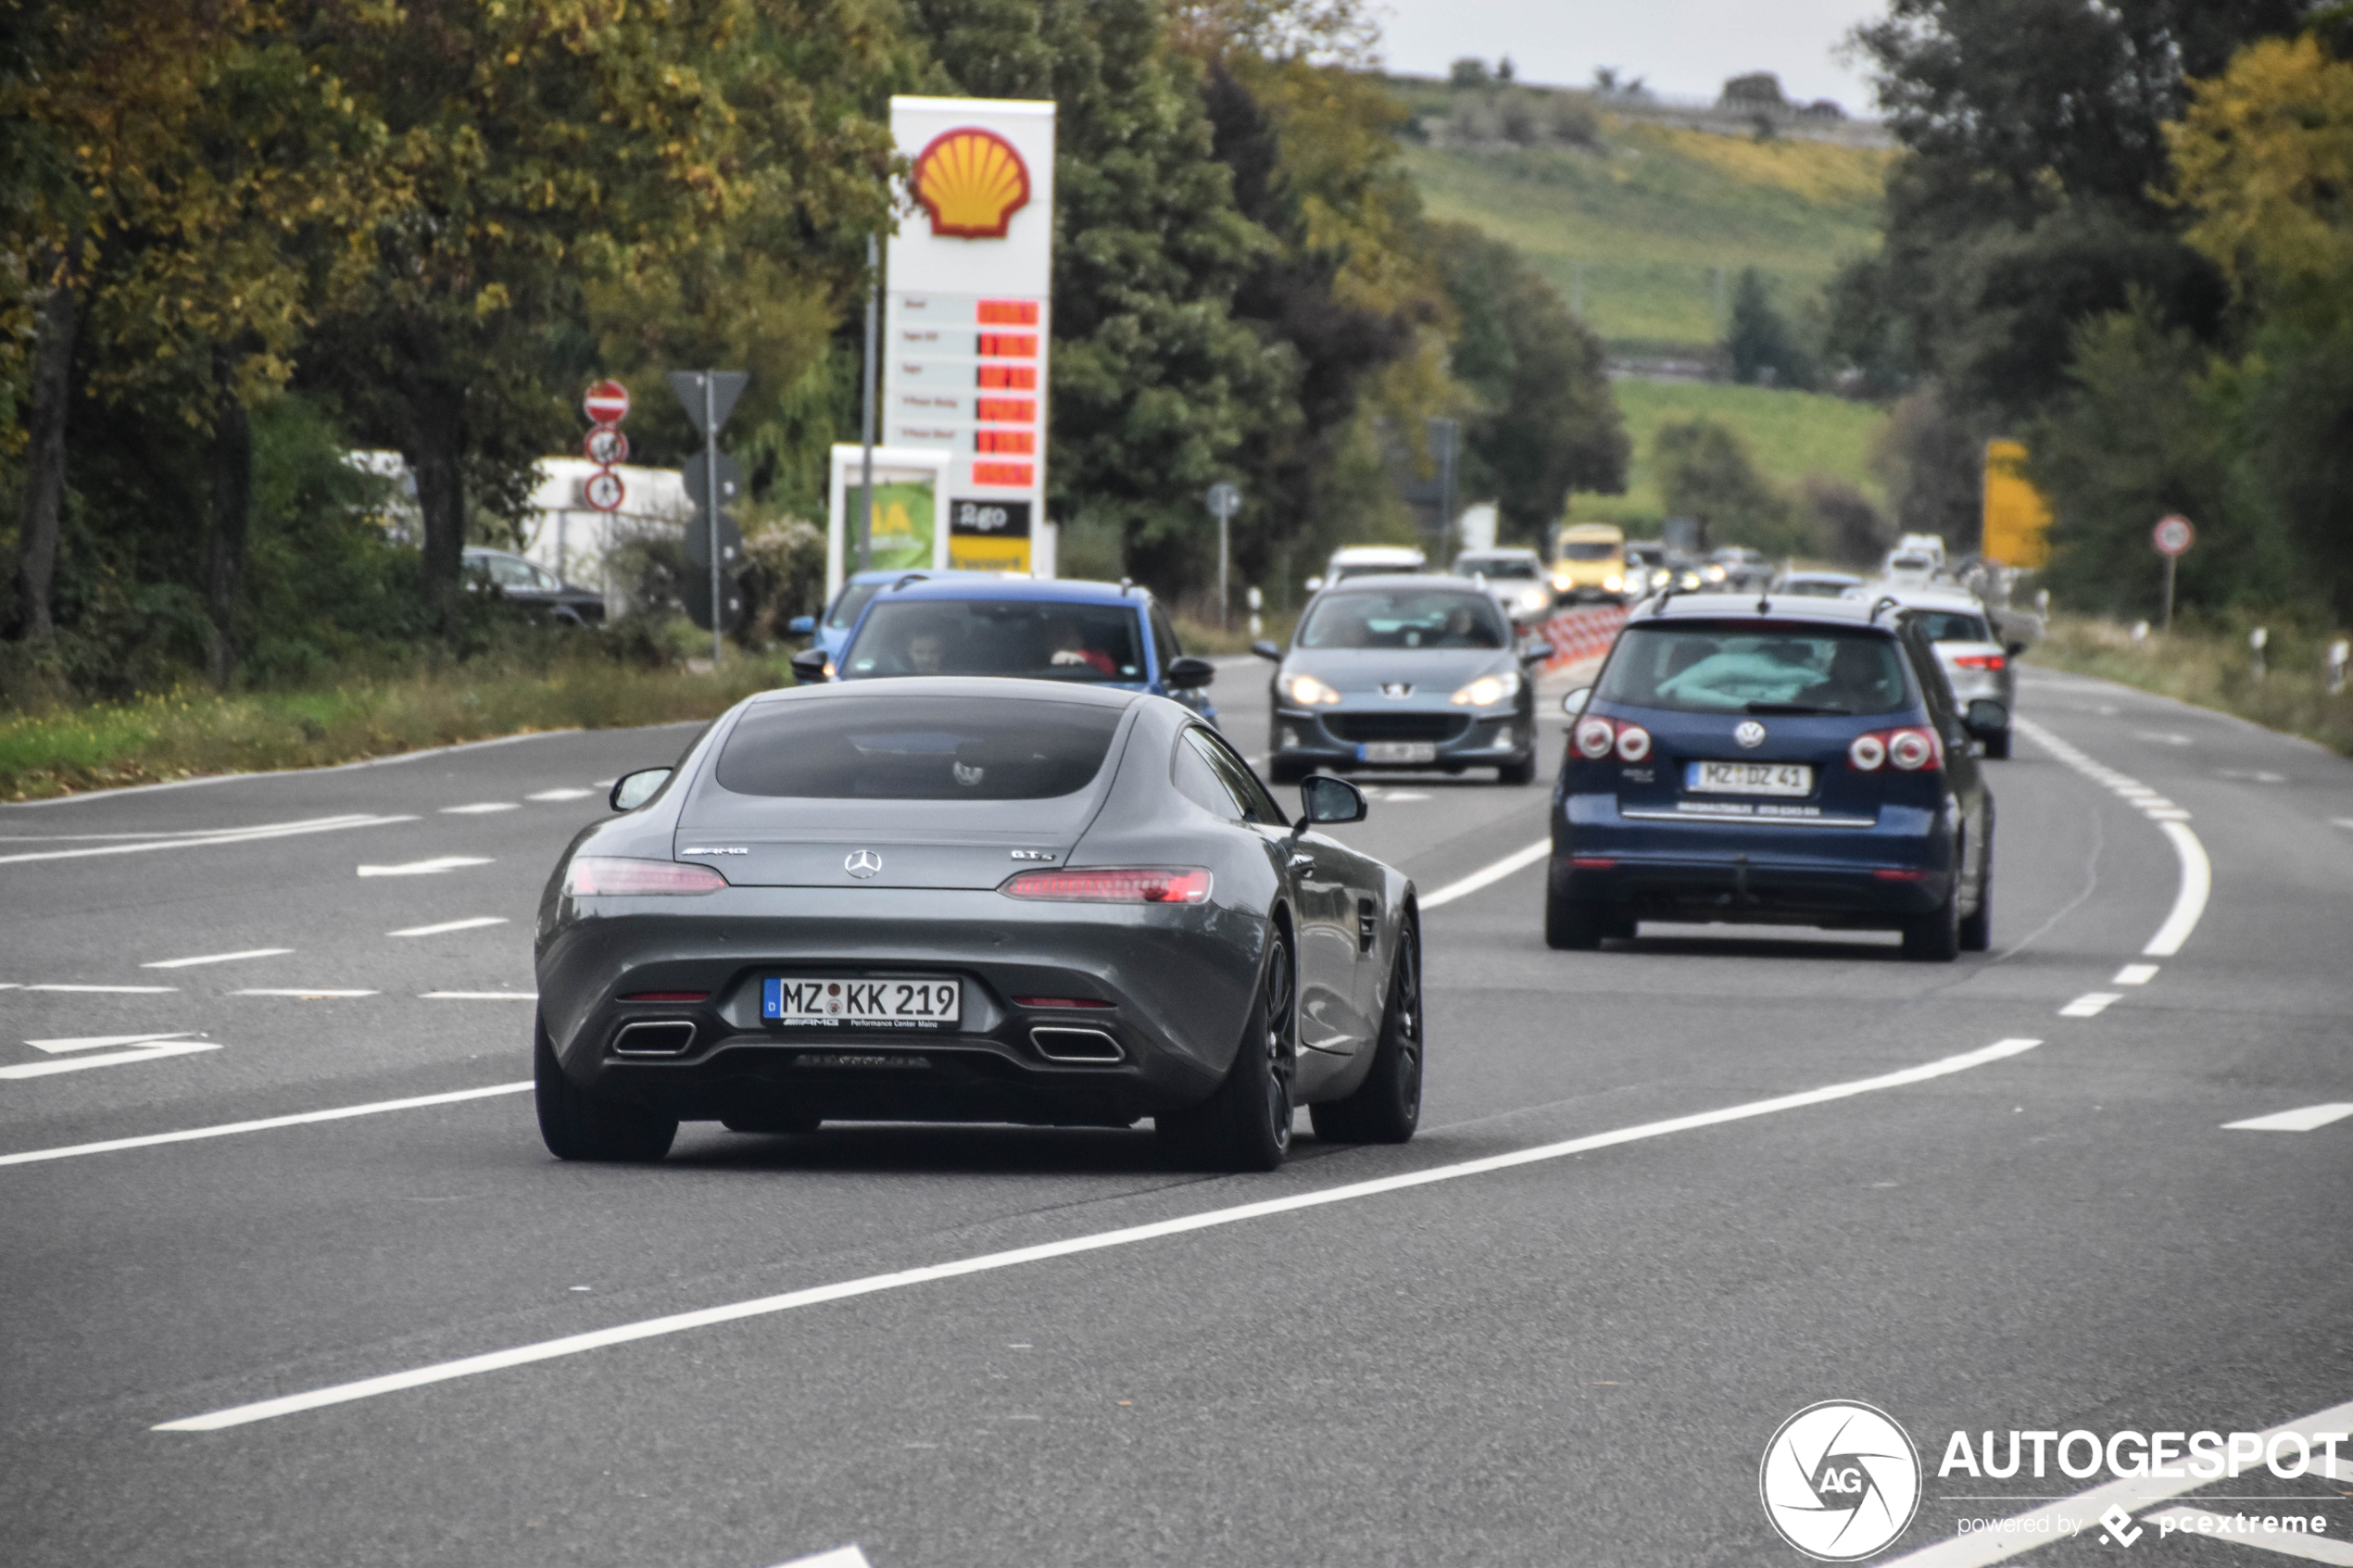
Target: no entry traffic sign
{"x":606,"y":446}
{"x":603,"y":491}
{"x":608,"y":403}
{"x":2174,"y":534}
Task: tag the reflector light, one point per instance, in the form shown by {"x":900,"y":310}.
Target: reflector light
{"x":1059,"y":1002}
{"x":667,"y":996}
{"x":1591,"y":862}
{"x":613,"y":876}
{"x":1633,"y":742}
{"x":1894,"y":873}
{"x":1168,"y":884}
{"x":1596,"y":737}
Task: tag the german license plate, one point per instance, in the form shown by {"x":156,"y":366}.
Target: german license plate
{"x":1747,"y":778}
{"x":825,"y":1001}
{"x":1397,"y":751}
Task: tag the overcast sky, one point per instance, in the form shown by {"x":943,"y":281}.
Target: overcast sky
{"x":1679,"y":45}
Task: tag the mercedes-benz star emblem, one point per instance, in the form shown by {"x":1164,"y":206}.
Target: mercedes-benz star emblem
{"x":1750,"y":734}
{"x":862,"y":863}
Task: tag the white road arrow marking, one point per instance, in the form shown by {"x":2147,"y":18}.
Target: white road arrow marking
{"x":112,"y":1058}
{"x":426,"y":868}
{"x":218,"y":958}
{"x":227,"y":835}
{"x":93,"y":1042}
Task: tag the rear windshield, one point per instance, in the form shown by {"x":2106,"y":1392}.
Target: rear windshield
{"x":922,"y":748}
{"x":1806,"y":590}
{"x":1595,"y":550}
{"x":1949,"y":626}
{"x":1404,"y":618}
{"x":1085,"y":644}
{"x":1912,"y":563}
{"x":1746,"y":668}
{"x":1372,"y":569}
{"x":1509,"y":566}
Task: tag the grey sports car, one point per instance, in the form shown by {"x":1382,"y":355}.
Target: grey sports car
{"x":974,"y":900}
{"x":1419,"y":673}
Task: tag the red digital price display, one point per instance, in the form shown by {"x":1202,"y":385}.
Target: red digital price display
{"x":1009,"y":345}
{"x":1008,"y":312}
{"x":1007,"y":410}
{"x":1011,"y":378}
{"x":1020,"y":475}
{"x":1022,"y":442}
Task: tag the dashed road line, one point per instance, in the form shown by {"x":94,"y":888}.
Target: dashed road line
{"x":109,"y":990}
{"x":562,"y":795}
{"x":2302,"y":1121}
{"x":478,"y":996}
{"x":2090,"y":1005}
{"x":680,"y":1323}
{"x":2134,"y":974}
{"x":1485,"y":876}
{"x":311,"y":993}
{"x":479,"y":808}
{"x":474,"y":924}
{"x":218,"y":958}
{"x":427,"y":867}
{"x":266,"y":1123}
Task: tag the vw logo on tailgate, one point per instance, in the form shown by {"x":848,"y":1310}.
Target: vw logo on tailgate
{"x":862,"y":863}
{"x":1750,"y":734}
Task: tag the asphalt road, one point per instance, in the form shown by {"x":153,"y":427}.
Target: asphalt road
{"x":1575,"y":1352}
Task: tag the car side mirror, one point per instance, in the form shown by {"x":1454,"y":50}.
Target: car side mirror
{"x":1535,"y":651}
{"x":632,"y":790}
{"x":1324,"y":800}
{"x":2013,"y":649}
{"x":801,"y":626}
{"x":1574,"y":703}
{"x":1187,"y":672}
{"x":808,"y":667}
{"x":1267,"y":650}
{"x":1986,"y":718}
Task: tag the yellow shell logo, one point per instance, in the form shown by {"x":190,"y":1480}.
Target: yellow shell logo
{"x":972,"y":182}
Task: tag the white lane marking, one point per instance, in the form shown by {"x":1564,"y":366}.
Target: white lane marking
{"x":112,"y":1058}
{"x":1517,"y":860}
{"x":307,"y":993}
{"x":562,"y":795}
{"x":2341,"y":822}
{"x":96,"y":1042}
{"x":1405,"y":795}
{"x":111,"y":990}
{"x":840,"y":1557}
{"x":2303,"y":1120}
{"x":426,"y":867}
{"x":679,"y":1322}
{"x":2089,"y":1005}
{"x":266,"y":1123}
{"x":2189,"y":904}
{"x":2162,"y":737}
{"x":2250,"y":775}
{"x":2208,"y":1526}
{"x":478,"y":996}
{"x":227,"y":835}
{"x":2173,"y":814}
{"x":2134,"y":974}
{"x":479,"y":808}
{"x":2040,"y":1528}
{"x":216,"y":958}
{"x":476,"y":924}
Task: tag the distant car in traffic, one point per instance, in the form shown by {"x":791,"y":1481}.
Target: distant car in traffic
{"x":1817,"y":584}
{"x":1516,"y":576}
{"x":830,"y":631}
{"x":1743,"y":569}
{"x":974,"y":900}
{"x":1368,"y":560}
{"x":1976,"y":662}
{"x":1590,"y":563}
{"x":1804,"y":765}
{"x":533,"y":587}
{"x":1420,"y":672}
{"x":1911,"y":568}
{"x":1071,"y":631}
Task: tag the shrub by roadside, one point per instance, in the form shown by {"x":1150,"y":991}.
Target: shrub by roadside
{"x":2212,"y":666}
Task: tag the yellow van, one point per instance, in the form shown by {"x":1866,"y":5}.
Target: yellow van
{"x":1590,"y":562}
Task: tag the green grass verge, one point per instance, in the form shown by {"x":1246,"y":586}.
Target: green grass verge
{"x":1648,"y":222}
{"x":1790,"y":435}
{"x":195,"y":732}
{"x":2210,"y":667}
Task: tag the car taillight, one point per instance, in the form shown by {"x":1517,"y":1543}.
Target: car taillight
{"x":1633,"y":742}
{"x":1868,"y":754}
{"x":1978,"y":661}
{"x":1596,"y":738}
{"x":1912,"y":749}
{"x":613,"y":876}
{"x":1908,"y":750}
{"x":1170,"y":885}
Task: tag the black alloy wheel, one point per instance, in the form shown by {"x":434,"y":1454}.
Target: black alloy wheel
{"x":1246,"y":1124}
{"x":1386,"y":1106}
{"x":576,"y":1126}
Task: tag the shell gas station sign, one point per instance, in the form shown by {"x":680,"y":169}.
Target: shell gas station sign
{"x":969,"y":316}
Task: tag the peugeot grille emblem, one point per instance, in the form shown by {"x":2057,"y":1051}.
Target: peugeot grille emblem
{"x":1750,"y":734}
{"x":1396,"y":688}
{"x":862,"y":863}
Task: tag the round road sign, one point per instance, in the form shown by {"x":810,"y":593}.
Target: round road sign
{"x":603,"y":491}
{"x":2173,"y":535}
{"x":608,"y":403}
{"x":606,"y":446}
{"x":1223,"y":500}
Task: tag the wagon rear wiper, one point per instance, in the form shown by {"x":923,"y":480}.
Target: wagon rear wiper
{"x":1795,"y":707}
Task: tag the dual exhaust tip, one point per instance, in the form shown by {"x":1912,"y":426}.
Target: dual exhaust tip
{"x":671,"y":1036}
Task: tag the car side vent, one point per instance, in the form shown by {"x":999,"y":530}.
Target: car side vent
{"x":1076,"y":1045}
{"x":665,"y":1037}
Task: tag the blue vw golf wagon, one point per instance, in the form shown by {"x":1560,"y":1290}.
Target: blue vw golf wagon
{"x":1789,"y":761}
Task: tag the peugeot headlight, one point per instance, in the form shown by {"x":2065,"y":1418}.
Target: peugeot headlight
{"x":1309,"y":692}
{"x":1613,"y":584}
{"x":1713,"y":572}
{"x":1534,"y":599}
{"x":1489,"y":690}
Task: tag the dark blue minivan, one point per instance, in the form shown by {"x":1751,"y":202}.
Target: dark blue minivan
{"x":1778,"y":761}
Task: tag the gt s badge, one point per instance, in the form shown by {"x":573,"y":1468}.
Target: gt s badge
{"x":1033,"y":854}
{"x":862,"y":863}
{"x":1751,"y":734}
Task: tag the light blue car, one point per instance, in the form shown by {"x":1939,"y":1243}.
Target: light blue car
{"x":831,"y":632}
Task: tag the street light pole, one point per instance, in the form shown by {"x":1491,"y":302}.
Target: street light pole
{"x":867,"y":458}
{"x":711,"y":513}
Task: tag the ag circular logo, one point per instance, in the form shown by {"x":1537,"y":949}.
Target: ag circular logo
{"x":1840,"y":1481}
{"x":1751,"y":734}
